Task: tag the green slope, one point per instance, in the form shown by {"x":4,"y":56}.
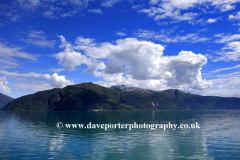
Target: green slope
{"x":89,"y":96}
{"x":4,"y":100}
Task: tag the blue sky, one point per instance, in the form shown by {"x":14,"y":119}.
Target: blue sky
{"x":191,"y":45}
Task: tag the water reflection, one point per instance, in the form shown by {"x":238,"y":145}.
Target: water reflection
{"x":33,"y":134}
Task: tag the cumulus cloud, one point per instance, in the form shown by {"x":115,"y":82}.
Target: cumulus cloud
{"x":226,"y":7}
{"x":70,"y":58}
{"x":233,"y":17}
{"x":141,"y":63}
{"x":59,"y":81}
{"x":186,"y":69}
{"x":138,"y":57}
{"x":211,"y":20}
{"x":92,"y":68}
{"x":114,"y":66}
{"x":55,"y":79}
{"x":4,"y":84}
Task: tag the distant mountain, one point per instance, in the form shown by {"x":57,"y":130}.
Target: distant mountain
{"x":130,"y":89}
{"x":121,"y":87}
{"x":4,"y":100}
{"x":89,"y":96}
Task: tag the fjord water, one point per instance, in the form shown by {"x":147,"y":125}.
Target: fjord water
{"x":34,"y":135}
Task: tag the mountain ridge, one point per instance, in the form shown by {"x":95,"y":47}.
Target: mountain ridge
{"x":4,"y":100}
{"x":89,"y":96}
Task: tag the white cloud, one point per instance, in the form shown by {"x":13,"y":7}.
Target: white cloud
{"x":168,"y":12}
{"x":70,"y":58}
{"x":9,"y":56}
{"x":8,"y":62}
{"x":228,"y":68}
{"x":31,"y":74}
{"x":98,"y":11}
{"x":109,"y":3}
{"x":56,"y":69}
{"x":121,"y":34}
{"x":55,"y":79}
{"x":49,"y":14}
{"x":153,"y":2}
{"x":38,"y":38}
{"x":210,"y":20}
{"x":49,"y":9}
{"x":84,"y":41}
{"x":233,"y":54}
{"x":181,"y":10}
{"x":134,"y":62}
{"x":226,"y":38}
{"x":36,"y":85}
{"x":224,"y":85}
{"x":37,"y":34}
{"x":9,"y":52}
{"x":177,"y":16}
{"x":231,"y":50}
{"x":69,"y":14}
{"x":4,"y":84}
{"x":138,"y":57}
{"x":138,"y":6}
{"x":14,"y":18}
{"x":227,"y":85}
{"x":156,"y":85}
{"x":59,"y":81}
{"x":168,"y":9}
{"x":186,"y":69}
{"x":233,"y":17}
{"x":226,"y":7}
{"x":40,"y":43}
{"x":163,"y":37}
{"x":221,"y":92}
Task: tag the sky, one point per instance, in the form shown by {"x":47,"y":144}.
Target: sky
{"x":190,"y":45}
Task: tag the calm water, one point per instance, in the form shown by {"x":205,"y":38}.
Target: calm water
{"x":33,"y":134}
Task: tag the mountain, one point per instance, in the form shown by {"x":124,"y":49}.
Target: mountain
{"x":4,"y":100}
{"x":130,"y":89}
{"x":89,"y":96}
